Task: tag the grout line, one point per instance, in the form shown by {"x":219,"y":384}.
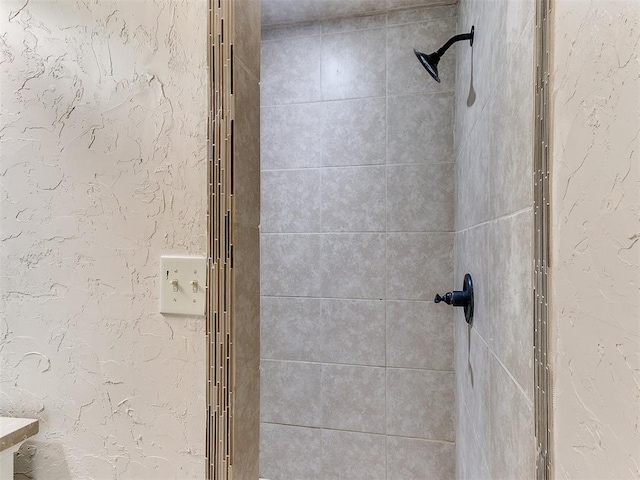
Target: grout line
{"x":356,"y":432}
{"x":390,"y":300}
{"x":357,"y":166}
{"x":334,"y":364}
{"x":496,"y":219}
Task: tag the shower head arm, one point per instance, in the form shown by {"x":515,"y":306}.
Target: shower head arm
{"x":457,"y":38}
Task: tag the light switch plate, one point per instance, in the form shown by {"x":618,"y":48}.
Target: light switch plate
{"x":182,"y":284}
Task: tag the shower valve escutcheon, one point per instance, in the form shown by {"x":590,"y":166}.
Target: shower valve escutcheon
{"x":459,"y":298}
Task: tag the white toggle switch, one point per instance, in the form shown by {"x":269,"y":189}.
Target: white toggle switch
{"x":181,"y":285}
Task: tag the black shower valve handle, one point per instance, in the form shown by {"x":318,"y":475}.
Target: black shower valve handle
{"x":459,"y":298}
{"x":455,"y":298}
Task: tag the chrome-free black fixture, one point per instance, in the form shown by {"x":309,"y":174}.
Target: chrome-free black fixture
{"x":430,"y":62}
{"x":459,"y":298}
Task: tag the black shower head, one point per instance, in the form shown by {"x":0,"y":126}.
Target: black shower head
{"x":430,"y":62}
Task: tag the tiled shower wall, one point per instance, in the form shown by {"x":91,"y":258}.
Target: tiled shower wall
{"x":357,"y":225}
{"x":494,"y":232}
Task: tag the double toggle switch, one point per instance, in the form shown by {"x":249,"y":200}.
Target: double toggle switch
{"x":182,"y":285}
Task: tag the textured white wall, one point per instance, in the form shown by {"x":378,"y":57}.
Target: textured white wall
{"x":102,"y":169}
{"x":596,"y":228}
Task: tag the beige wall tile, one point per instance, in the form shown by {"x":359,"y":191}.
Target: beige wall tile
{"x":246,"y":47}
{"x":353,"y":65}
{"x":246,"y":166}
{"x":290,"y":393}
{"x":290,"y":453}
{"x":357,"y":132}
{"x":290,"y":201}
{"x":420,"y":404}
{"x":291,"y":328}
{"x":415,"y":459}
{"x":353,"y":398}
{"x":352,"y":265}
{"x":419,"y":265}
{"x":290,"y":265}
{"x":420,"y":128}
{"x":511,"y":450}
{"x":422,"y":12}
{"x":353,"y":332}
{"x":366,"y":22}
{"x":356,"y":456}
{"x":353,"y":199}
{"x":421,"y":198}
{"x":290,"y":71}
{"x":511,"y":244}
{"x":290,"y":136}
{"x":419,"y":335}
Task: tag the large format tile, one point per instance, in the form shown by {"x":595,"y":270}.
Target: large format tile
{"x":354,"y":131}
{"x":246,"y":142}
{"x":353,"y":332}
{"x":290,"y":265}
{"x":420,"y":198}
{"x":353,"y":398}
{"x":353,"y":265}
{"x":470,"y":258}
{"x":471,"y":453}
{"x":353,"y":64}
{"x":405,"y":74}
{"x":419,"y":265}
{"x":419,"y":335}
{"x":353,"y":456}
{"x":290,"y":201}
{"x":290,"y":71}
{"x":402,"y":12}
{"x":420,"y":404}
{"x":290,"y":136}
{"x":415,"y":459}
{"x":420,"y":128}
{"x":511,"y":268}
{"x":472,"y":381}
{"x":512,"y":135}
{"x":473,"y":174}
{"x":246,"y":46}
{"x":512,"y":449}
{"x":290,"y":329}
{"x":290,"y":453}
{"x":290,"y":393}
{"x":353,"y":199}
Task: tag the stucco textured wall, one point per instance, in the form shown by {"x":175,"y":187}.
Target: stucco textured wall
{"x":595,"y":233}
{"x":102,"y":169}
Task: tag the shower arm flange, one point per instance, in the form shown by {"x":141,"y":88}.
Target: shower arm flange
{"x":457,"y":38}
